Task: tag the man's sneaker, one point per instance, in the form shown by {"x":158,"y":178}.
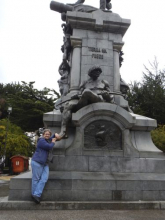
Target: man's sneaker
{"x":36,"y":199}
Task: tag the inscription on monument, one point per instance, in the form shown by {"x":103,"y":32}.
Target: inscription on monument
{"x":97,"y":50}
{"x":102,"y":134}
{"x":97,"y":56}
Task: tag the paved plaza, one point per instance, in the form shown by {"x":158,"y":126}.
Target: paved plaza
{"x":83,"y":215}
{"x":74,"y":214}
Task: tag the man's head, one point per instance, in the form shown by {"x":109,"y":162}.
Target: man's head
{"x":94,"y":72}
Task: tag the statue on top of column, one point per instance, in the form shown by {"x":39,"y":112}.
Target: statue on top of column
{"x":78,"y":6}
{"x":104,"y":4}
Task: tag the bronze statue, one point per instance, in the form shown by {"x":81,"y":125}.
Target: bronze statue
{"x":92,"y":90}
{"x":104,"y":4}
{"x":66,"y":47}
{"x":63,"y":82}
{"x":63,"y":8}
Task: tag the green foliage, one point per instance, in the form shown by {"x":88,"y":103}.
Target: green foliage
{"x":16,"y":142}
{"x":148,"y":97}
{"x":28,"y":103}
{"x":158,"y":137}
{"x":134,"y":97}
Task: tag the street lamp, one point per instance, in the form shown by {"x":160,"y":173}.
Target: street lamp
{"x":9,"y":110}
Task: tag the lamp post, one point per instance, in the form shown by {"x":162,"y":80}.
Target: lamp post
{"x":9,"y":110}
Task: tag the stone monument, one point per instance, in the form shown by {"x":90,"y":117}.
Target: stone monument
{"x":106,"y":153}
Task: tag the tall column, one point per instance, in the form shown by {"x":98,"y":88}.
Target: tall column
{"x":119,"y":100}
{"x":76,"y":64}
{"x":116,"y":67}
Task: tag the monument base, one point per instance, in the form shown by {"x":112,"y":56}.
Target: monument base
{"x":124,"y":166}
{"x":93,"y":186}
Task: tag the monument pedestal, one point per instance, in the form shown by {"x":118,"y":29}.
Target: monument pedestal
{"x":94,"y":186}
{"x":82,"y":172}
{"x":109,"y":154}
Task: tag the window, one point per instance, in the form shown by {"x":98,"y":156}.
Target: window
{"x":17,"y":163}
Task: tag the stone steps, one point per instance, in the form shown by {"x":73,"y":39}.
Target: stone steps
{"x":79,"y":205}
{"x":93,"y":186}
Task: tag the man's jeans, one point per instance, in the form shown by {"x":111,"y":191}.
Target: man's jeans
{"x":40,"y":175}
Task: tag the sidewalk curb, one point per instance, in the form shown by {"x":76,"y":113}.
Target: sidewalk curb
{"x":78,"y":205}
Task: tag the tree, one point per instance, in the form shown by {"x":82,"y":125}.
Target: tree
{"x":17,"y":142}
{"x":28,"y":103}
{"x":158,"y":137}
{"x":135,"y":97}
{"x":2,"y":104}
{"x":148,"y":97}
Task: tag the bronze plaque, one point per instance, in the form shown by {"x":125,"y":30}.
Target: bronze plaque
{"x":102,"y":134}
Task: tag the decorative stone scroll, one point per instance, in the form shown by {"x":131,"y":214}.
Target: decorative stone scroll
{"x":102,"y":134}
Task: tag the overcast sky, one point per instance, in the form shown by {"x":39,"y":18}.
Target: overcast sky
{"x":31,"y":38}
